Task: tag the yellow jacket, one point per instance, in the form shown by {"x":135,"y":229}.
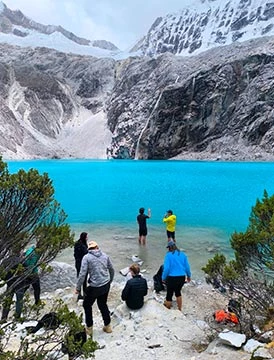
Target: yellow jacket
{"x":170,"y":222}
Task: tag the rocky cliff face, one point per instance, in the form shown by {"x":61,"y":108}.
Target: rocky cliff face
{"x":215,"y":105}
{"x":209,"y":24}
{"x":44,"y":94}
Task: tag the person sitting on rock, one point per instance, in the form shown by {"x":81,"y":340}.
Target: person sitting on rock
{"x":135,"y":289}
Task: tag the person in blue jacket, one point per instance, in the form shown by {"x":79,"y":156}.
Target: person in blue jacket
{"x":176,"y":272}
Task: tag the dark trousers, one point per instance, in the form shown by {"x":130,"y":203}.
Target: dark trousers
{"x":7,"y":302}
{"x":170,"y":234}
{"x":174,"y":285}
{"x":35,"y":283}
{"x":101,"y":295}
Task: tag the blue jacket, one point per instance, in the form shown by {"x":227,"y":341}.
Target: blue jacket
{"x":176,"y":264}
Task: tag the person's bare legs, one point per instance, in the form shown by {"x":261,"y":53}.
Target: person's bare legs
{"x":143,"y":240}
{"x":179,"y":302}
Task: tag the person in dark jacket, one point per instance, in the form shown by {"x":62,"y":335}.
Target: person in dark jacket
{"x":80,"y":250}
{"x":135,"y":289}
{"x":142,"y":222}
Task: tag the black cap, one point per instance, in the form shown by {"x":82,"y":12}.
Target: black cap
{"x":170,"y":243}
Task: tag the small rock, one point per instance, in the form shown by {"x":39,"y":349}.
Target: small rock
{"x":59,"y":291}
{"x":202,"y":325}
{"x":251,"y":345}
{"x":232,"y":338}
{"x":260,"y":354}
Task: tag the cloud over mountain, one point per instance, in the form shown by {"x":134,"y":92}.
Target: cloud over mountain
{"x":18,"y":29}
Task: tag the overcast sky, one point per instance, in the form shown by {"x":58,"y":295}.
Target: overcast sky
{"x":122,"y":22}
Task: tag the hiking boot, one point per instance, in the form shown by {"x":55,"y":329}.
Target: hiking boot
{"x":39,"y":303}
{"x":89,"y":330}
{"x":167,"y":304}
{"x":107,"y":329}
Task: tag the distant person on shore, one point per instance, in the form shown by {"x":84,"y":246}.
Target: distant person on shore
{"x":101,"y":273}
{"x":135,"y":289}
{"x":170,"y":221}
{"x":31,"y":257}
{"x":80,"y":250}
{"x":142,"y":222}
{"x":176,"y":272}
{"x":17,"y":282}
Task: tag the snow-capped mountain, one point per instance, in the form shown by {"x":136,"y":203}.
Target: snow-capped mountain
{"x":209,"y":24}
{"x":18,"y":29}
{"x":57,"y":102}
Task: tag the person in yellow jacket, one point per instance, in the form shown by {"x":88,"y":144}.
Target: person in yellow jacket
{"x":170,"y":221}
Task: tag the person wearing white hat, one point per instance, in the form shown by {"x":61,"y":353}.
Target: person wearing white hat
{"x":100,"y":272}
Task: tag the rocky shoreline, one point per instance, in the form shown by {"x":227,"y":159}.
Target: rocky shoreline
{"x":153,"y":332}
{"x":238,"y":153}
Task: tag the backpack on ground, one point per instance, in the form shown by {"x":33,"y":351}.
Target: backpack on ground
{"x":157,"y":280}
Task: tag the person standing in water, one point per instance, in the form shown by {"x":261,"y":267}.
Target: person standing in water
{"x":170,"y":221}
{"x":142,"y":222}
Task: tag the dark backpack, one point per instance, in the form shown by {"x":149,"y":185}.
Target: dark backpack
{"x":235,"y":307}
{"x":157,"y":280}
{"x":73,"y":343}
{"x":49,"y":321}
{"x":10,"y":266}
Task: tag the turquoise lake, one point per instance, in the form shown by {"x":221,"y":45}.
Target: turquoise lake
{"x":211,"y":201}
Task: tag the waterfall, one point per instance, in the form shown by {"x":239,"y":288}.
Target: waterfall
{"x":146,"y":125}
{"x":193,"y":88}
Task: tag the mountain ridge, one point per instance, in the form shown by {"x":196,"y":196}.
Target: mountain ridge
{"x":16,"y":23}
{"x":210,"y":24}
{"x":216,"y":104}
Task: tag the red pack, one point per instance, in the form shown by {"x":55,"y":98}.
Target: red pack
{"x":225,"y":316}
